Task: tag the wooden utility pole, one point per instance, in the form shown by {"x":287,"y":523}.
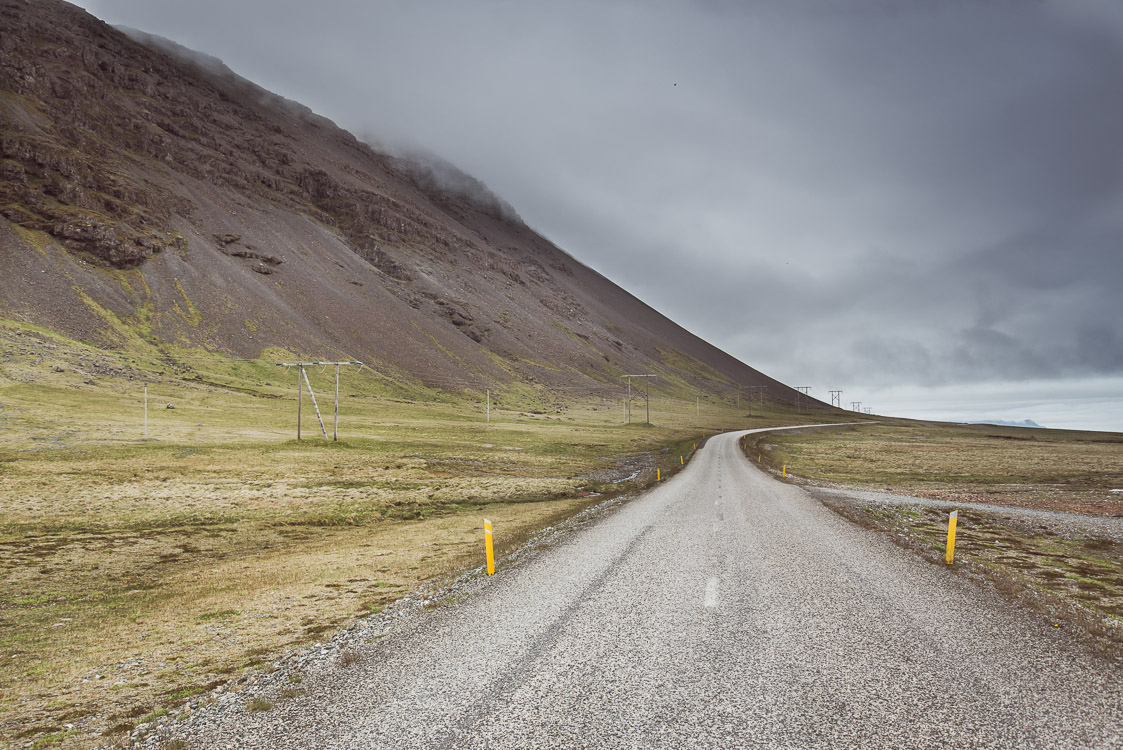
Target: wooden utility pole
{"x":800,"y":390}
{"x":302,"y":376}
{"x":647,"y":398}
{"x":628,"y":403}
{"x":315,"y":405}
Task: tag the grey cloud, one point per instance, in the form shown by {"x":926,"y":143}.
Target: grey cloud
{"x":861,"y":192}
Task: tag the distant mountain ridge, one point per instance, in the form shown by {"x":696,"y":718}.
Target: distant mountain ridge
{"x":1003,"y":423}
{"x":151,"y":197}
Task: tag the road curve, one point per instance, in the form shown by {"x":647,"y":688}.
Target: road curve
{"x":721,"y":609}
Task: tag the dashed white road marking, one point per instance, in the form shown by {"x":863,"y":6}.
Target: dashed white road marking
{"x":710,"y":599}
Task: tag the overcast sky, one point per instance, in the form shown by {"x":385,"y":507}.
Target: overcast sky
{"x":917,"y":202}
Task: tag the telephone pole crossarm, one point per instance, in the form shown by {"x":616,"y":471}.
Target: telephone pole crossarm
{"x":316,"y":364}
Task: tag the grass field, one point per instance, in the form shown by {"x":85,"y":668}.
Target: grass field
{"x":1046,"y":469}
{"x":138,"y":575}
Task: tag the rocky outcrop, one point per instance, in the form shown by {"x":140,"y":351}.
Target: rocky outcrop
{"x":95,"y":123}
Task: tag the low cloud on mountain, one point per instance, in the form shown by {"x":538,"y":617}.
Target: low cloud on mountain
{"x":857,"y":195}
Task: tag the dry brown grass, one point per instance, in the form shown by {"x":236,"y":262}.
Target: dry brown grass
{"x":1046,"y":469}
{"x":149,"y":624}
{"x":138,"y":576}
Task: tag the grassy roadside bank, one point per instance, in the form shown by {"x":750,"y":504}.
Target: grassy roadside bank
{"x":1028,"y":468}
{"x":1070,"y":571}
{"x":139,"y":575}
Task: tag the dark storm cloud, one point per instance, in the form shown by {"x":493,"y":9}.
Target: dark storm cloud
{"x":855,"y":192}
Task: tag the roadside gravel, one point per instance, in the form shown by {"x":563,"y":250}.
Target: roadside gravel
{"x":1068,"y":525}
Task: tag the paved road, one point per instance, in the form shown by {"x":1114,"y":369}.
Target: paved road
{"x":723,"y":609}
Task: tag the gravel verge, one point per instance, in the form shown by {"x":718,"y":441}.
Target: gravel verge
{"x":1068,"y":525}
{"x":320,"y":659}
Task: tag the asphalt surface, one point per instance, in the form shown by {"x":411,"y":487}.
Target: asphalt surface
{"x":722,"y":609}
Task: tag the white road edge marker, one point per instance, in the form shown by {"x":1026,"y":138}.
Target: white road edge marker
{"x":711,"y":593}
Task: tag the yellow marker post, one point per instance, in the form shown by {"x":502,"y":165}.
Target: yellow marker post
{"x":488,"y":548}
{"x":658,"y":475}
{"x":680,"y":460}
{"x":785,"y":474}
{"x":951,"y":535}
{"x":758,"y":458}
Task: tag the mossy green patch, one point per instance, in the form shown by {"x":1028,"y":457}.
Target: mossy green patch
{"x":188,"y":311}
{"x":35,"y":238}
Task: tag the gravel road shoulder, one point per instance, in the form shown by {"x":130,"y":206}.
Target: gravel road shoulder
{"x":1071,"y":525}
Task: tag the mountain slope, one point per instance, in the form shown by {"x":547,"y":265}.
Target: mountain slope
{"x":150,"y":197}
